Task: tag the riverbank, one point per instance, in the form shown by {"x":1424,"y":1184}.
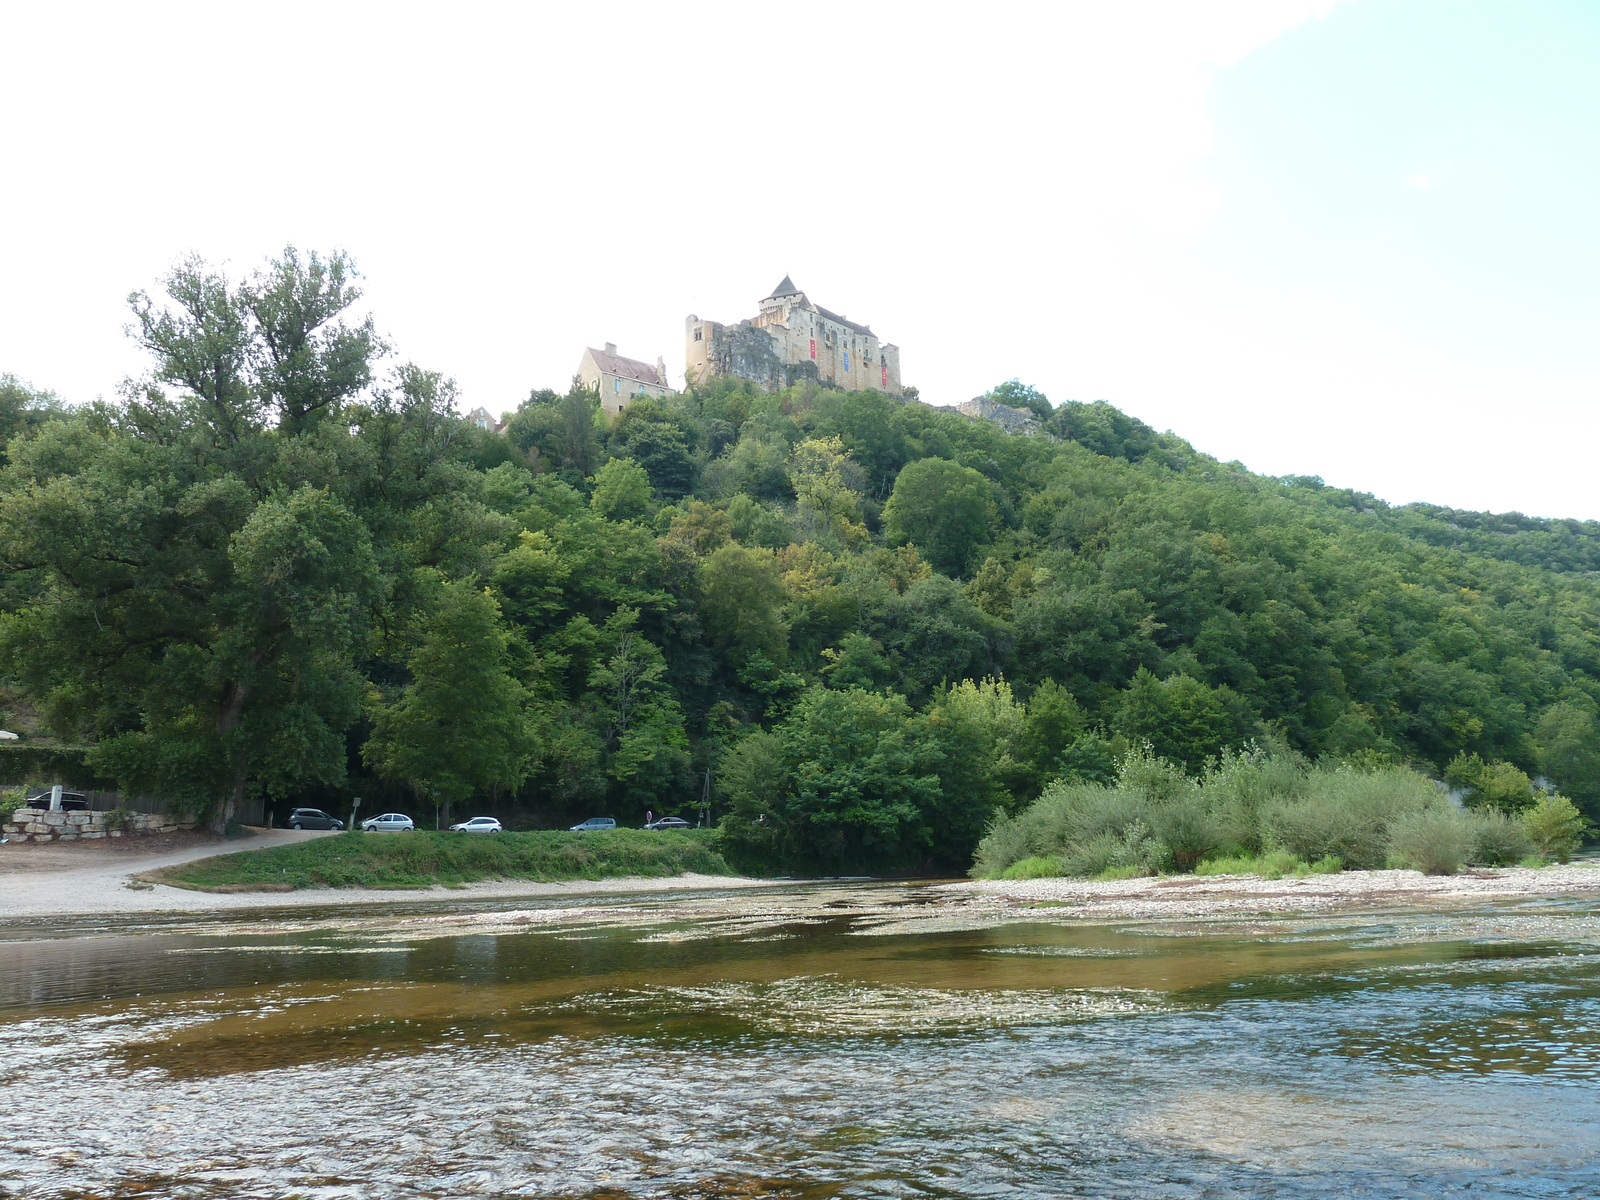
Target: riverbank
{"x":1233,"y":895}
{"x":425,"y":859}
{"x":101,"y":878}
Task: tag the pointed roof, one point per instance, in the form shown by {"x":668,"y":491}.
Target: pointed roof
{"x":786,"y":288}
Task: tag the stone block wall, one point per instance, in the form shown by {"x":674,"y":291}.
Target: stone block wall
{"x":38,"y":825}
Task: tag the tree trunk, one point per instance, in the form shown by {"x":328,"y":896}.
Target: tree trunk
{"x":229,"y":808}
{"x":232,"y":708}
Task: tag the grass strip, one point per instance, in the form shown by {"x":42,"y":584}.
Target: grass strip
{"x":425,"y":859}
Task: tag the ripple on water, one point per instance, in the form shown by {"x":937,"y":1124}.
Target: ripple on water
{"x":1318,"y":1062}
{"x":838,"y":1008}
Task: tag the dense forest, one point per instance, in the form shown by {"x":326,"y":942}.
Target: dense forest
{"x":858,"y":627}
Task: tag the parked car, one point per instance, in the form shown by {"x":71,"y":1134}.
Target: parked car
{"x":70,"y":801}
{"x":669,"y":823}
{"x":313,"y":818}
{"x":594,"y":823}
{"x":389,"y":823}
{"x":477,"y":825}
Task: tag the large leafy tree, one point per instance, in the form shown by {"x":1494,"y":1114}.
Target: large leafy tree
{"x":205,"y":558}
{"x":463,"y":724}
{"x":945,"y":509}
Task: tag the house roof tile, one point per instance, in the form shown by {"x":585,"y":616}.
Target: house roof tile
{"x":628,"y":368}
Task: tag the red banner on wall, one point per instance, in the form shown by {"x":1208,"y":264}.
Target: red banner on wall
{"x":813,"y":347}
{"x":886,"y":379}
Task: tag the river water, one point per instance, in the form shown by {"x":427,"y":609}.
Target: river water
{"x":836,"y":1040}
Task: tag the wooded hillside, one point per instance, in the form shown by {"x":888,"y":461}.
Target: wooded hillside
{"x":281,"y":562}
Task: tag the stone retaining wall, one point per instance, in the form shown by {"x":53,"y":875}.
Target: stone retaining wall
{"x":38,"y":825}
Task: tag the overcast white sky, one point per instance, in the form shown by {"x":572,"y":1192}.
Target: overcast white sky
{"x":1351,"y":240}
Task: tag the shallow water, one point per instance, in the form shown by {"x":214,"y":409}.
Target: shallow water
{"x":821,"y":1041}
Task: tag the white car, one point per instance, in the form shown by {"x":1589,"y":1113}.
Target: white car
{"x":389,"y":823}
{"x":477,"y":825}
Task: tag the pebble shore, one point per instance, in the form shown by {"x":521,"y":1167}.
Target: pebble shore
{"x":1211,"y":895}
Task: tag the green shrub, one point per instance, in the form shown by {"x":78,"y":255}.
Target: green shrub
{"x":1346,"y":814}
{"x":1497,"y":839}
{"x":1274,"y":864}
{"x":1038,"y":867}
{"x":1262,"y":807}
{"x":1111,"y":874}
{"x":1555,"y":827}
{"x":1240,"y":785}
{"x":1330,"y":865}
{"x":1133,"y":851}
{"x":1435,"y":841}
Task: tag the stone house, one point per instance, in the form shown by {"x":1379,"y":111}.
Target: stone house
{"x":620,"y":380}
{"x":483,"y":419}
{"x":789,"y":340}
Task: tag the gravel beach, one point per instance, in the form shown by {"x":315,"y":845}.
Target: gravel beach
{"x":1211,"y":895}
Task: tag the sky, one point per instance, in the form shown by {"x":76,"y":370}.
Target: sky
{"x":1353,"y":239}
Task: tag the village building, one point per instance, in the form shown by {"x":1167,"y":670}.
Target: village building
{"x":789,"y":340}
{"x":483,"y":419}
{"x":620,"y":380}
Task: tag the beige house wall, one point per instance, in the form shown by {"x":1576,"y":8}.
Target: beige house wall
{"x":616,"y":391}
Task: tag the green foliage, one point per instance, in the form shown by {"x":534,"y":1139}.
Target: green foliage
{"x":427,"y":859}
{"x":1182,"y":718}
{"x":1498,"y":785}
{"x":1021,"y":395}
{"x":1436,"y":840}
{"x":23,"y":763}
{"x":460,"y":727}
{"x":621,"y":491}
{"x":1038,"y":867}
{"x":944,"y":509}
{"x":742,"y":600}
{"x":1569,"y":751}
{"x":1272,"y":864}
{"x":1556,"y":828}
{"x":1246,"y":807}
{"x":1498,"y":840}
{"x":23,"y":409}
{"x":852,"y":780}
{"x":228,"y":582}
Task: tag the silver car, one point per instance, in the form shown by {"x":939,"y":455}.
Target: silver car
{"x":477,"y":825}
{"x":389,"y":823}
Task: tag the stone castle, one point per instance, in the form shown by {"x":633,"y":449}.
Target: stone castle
{"x":790,"y":340}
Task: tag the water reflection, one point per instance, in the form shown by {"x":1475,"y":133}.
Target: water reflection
{"x":846,"y":1041}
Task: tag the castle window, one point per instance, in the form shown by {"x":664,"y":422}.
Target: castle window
{"x":697,"y":335}
{"x":616,"y":385}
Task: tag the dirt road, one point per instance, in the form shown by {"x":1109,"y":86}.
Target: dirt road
{"x":92,"y":876}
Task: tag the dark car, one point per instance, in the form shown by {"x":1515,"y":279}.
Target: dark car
{"x":669,"y":823}
{"x":313,"y":818}
{"x":70,"y":801}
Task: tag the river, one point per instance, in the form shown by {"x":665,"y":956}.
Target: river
{"x":824,"y":1040}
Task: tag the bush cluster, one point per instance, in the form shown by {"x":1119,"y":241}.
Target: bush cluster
{"x":1265,"y":812}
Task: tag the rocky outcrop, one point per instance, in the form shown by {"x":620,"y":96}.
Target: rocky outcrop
{"x":981,"y":408}
{"x":39,"y":825}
